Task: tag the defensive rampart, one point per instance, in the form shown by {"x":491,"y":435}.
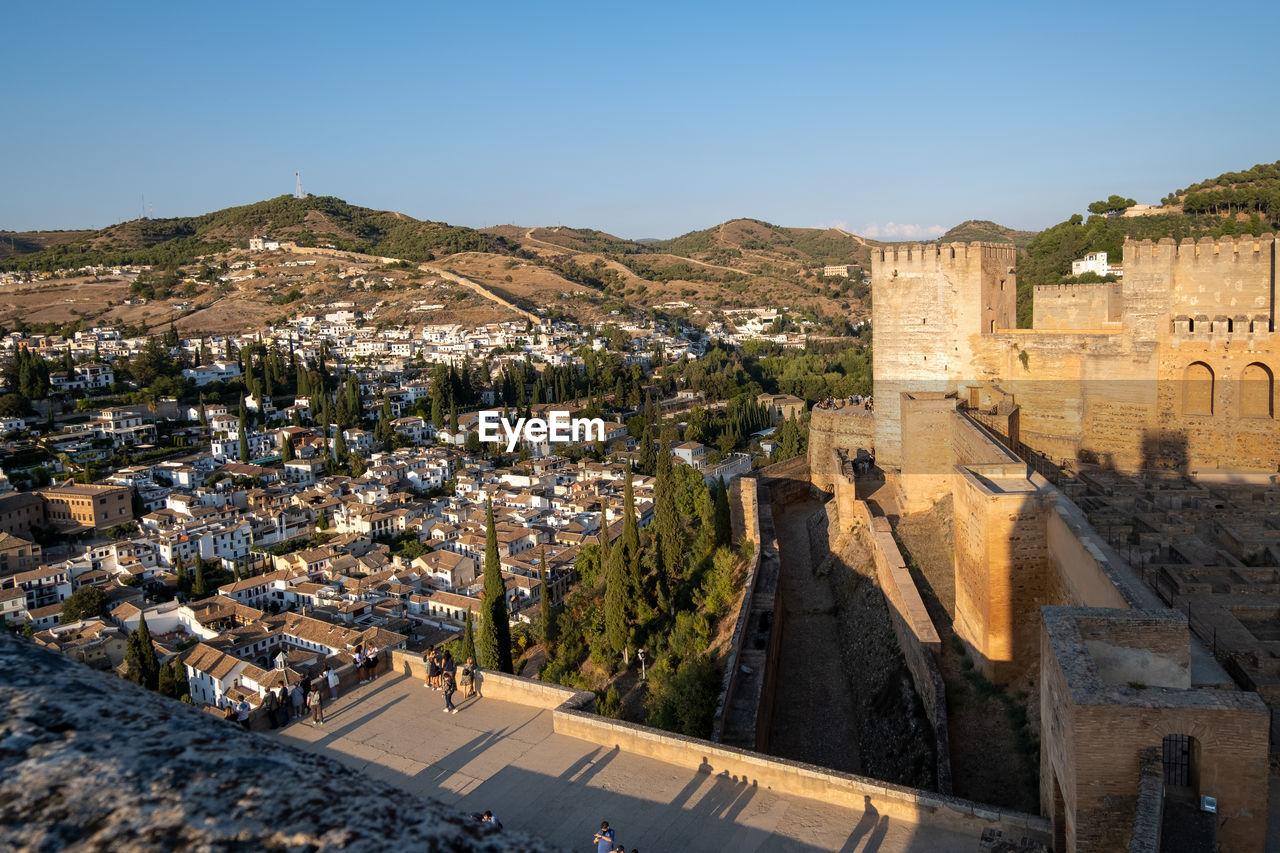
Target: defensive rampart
{"x":571,"y":716}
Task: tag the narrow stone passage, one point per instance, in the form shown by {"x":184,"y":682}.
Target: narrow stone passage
{"x":814,"y":705}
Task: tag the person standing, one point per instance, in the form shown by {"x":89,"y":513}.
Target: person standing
{"x":426,"y":665}
{"x":242,"y":714}
{"x":433,"y":669}
{"x":282,"y":705}
{"x":466,"y":678}
{"x":317,"y":710}
{"x":604,"y":838}
{"x":449,"y":688}
{"x":331,"y":678}
{"x":306,"y":692}
{"x":373,"y":662}
{"x":295,"y":701}
{"x":449,"y":666}
{"x":359,"y":664}
{"x":272,"y":704}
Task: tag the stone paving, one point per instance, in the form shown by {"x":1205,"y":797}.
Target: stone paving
{"x":505,"y":757}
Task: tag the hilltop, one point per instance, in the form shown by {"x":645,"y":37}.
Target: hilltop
{"x":984,"y":230}
{"x":309,"y":221}
{"x":742,"y":262}
{"x":577,"y":272}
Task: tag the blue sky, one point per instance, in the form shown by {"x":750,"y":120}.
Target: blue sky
{"x":643,"y":119}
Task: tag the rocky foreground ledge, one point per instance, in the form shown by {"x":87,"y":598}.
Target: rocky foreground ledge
{"x":89,"y":762}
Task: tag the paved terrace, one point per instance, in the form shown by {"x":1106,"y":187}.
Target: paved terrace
{"x":505,"y":756}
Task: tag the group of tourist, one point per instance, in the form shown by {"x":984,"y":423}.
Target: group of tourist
{"x":840,"y":402}
{"x":366,"y":663}
{"x":288,"y":702}
{"x":443,"y":674}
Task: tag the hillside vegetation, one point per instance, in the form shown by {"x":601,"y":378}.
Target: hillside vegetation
{"x":309,"y":221}
{"x":578,"y":272}
{"x":1233,"y":203}
{"x":986,"y":231}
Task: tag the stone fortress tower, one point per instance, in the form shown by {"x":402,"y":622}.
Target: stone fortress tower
{"x":1170,"y":371}
{"x":1173,"y":367}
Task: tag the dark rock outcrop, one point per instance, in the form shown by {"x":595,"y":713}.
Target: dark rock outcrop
{"x":89,"y":762}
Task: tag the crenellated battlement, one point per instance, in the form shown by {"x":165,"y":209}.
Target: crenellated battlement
{"x":929,"y":257}
{"x":1201,"y":327}
{"x":1206,"y":250}
{"x":1085,"y":287}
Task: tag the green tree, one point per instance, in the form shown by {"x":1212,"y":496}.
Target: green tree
{"x":184,"y":580}
{"x":495,"y":623}
{"x":548,"y":624}
{"x":617,"y":591}
{"x":286,"y":451}
{"x":722,"y":514}
{"x":87,"y":602}
{"x":198,"y":590}
{"x":244,"y":444}
{"x":667,"y":527}
{"x":468,"y":640}
{"x":140,"y":655}
{"x":1114,"y":204}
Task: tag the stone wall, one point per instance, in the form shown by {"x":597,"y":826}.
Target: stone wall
{"x":849,"y":429}
{"x":914,"y":630}
{"x":744,"y":710}
{"x":1058,"y":307}
{"x":906,"y":805}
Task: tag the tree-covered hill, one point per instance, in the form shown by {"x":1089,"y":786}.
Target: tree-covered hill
{"x":984,"y":230}
{"x":308,"y":221}
{"x":1234,"y":203}
{"x":1255,"y":190}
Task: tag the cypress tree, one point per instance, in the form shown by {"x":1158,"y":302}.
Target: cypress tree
{"x":666,"y":520}
{"x":181,"y":687}
{"x":244,"y":444}
{"x":468,"y":640}
{"x":144,"y":667}
{"x":723,"y":529}
{"x":617,"y":587}
{"x":286,"y":452}
{"x":184,"y":581}
{"x":495,"y":624}
{"x":548,"y":625}
{"x":631,"y":541}
{"x":198,"y":590}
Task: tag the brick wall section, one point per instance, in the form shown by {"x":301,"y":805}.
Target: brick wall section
{"x":1093,"y":735}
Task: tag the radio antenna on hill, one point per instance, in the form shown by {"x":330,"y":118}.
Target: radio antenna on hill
{"x":297,"y":193}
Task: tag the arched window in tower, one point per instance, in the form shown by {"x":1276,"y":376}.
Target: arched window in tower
{"x":1257,"y":392}
{"x":1197,"y":389}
